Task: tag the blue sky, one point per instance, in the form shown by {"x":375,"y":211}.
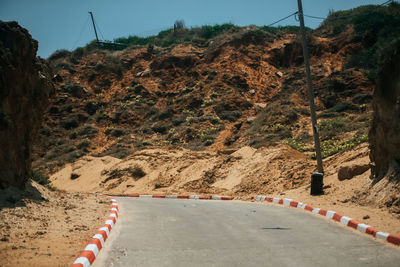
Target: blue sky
{"x":62,"y":24}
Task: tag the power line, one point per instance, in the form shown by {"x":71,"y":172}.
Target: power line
{"x":283,"y":19}
{"x":99,"y":30}
{"x":80,"y":34}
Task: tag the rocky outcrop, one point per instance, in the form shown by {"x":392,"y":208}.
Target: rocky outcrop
{"x":384,"y":135}
{"x":25,"y":87}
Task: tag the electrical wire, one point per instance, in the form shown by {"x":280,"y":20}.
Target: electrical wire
{"x":98,"y":28}
{"x":282,"y":19}
{"x":80,"y":34}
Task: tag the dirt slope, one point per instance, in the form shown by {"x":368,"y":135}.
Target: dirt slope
{"x":275,"y":170}
{"x":243,"y":172}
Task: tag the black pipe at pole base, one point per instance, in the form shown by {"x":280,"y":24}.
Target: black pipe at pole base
{"x":316,"y":183}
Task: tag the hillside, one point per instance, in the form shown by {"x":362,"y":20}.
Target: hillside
{"x":247,"y":87}
{"x":214,"y":110}
{"x":217,"y":89}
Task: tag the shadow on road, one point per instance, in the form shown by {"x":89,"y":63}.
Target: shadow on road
{"x":276,"y":228}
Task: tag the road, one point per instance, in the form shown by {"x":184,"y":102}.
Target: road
{"x":174,"y":232}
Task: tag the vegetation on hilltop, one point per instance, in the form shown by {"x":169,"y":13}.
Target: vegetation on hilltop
{"x":374,"y":27}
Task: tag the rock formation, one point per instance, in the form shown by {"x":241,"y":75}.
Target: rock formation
{"x":25,"y":87}
{"x":384,"y":135}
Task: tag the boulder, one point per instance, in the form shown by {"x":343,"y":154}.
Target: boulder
{"x":348,"y":171}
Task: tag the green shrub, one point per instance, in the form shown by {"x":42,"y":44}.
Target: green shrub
{"x":63,"y":53}
{"x":231,"y":116}
{"x":208,"y":142}
{"x":40,"y":178}
{"x":73,"y":134}
{"x":160,"y":127}
{"x":116,"y":132}
{"x":84,"y":143}
{"x":70,"y":123}
{"x":332,"y":127}
{"x":343,"y":106}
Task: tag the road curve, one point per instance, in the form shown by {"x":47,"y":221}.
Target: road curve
{"x":172,"y":232}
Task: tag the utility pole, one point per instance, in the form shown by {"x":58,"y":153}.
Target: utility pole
{"x":316,"y":178}
{"x":94,"y":26}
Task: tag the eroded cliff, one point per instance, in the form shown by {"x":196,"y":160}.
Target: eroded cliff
{"x":25,"y":87}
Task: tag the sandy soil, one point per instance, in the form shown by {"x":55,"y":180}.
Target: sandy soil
{"x":47,"y":228}
{"x":277,"y":170}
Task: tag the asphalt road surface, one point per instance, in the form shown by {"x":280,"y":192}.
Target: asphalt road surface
{"x":175,"y":232}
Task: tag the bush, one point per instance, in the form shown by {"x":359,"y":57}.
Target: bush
{"x":73,"y":135}
{"x":70,"y":123}
{"x":136,"y":171}
{"x":40,"y":178}
{"x":343,"y":106}
{"x":116,"y":132}
{"x":84,"y":143}
{"x":160,"y":127}
{"x":59,"y":54}
{"x":208,"y":142}
{"x":231,"y":116}
{"x":91,"y":107}
{"x":332,"y":127}
{"x":87,"y":130}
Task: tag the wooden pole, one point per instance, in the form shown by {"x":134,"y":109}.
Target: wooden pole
{"x":94,"y":26}
{"x":310,"y":90}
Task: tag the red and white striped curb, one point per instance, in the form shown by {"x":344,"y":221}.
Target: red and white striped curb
{"x":91,"y":251}
{"x":178,"y":196}
{"x":364,"y":228}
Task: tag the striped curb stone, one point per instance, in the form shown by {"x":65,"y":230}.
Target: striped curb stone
{"x":347,"y":221}
{"x":90,"y":252}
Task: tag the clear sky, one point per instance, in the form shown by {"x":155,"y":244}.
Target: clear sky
{"x":64,"y":24}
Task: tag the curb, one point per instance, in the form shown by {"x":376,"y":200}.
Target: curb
{"x":177,"y":197}
{"x":347,"y":221}
{"x":90,"y":252}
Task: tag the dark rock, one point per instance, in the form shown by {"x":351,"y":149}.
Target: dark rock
{"x":25,"y":88}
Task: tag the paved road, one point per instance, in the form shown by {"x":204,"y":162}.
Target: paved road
{"x":168,"y":232}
